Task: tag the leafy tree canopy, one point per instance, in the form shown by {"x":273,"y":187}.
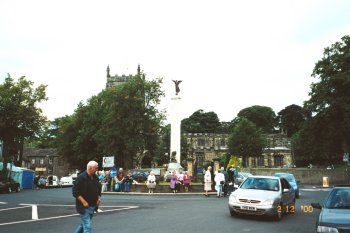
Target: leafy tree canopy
{"x":122,"y":121}
{"x":329,"y":100}
{"x":201,"y":122}
{"x":20,"y":117}
{"x":263,"y":117}
{"x":291,"y":118}
{"x":245,"y":139}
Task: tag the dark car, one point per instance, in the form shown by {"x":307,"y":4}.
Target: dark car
{"x":335,"y":212}
{"x":292,"y":181}
{"x":9,"y":186}
{"x":140,"y":175}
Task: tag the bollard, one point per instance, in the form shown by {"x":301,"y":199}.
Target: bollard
{"x":325,"y":181}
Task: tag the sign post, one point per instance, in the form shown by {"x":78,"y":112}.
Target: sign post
{"x":108,"y":161}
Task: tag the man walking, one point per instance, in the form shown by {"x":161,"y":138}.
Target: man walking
{"x":87,"y":193}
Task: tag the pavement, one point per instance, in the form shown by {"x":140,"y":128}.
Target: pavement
{"x":301,"y":187}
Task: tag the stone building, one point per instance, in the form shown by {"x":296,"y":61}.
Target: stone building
{"x":118,"y":79}
{"x":205,"y":148}
{"x":45,"y":162}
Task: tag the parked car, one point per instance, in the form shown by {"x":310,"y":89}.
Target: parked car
{"x":263,"y":196}
{"x":171,"y":167}
{"x":52,"y":181}
{"x":139,"y":175}
{"x":241,"y":176}
{"x":67,"y":181}
{"x":292,"y":181}
{"x":9,"y":186}
{"x":335,"y":212}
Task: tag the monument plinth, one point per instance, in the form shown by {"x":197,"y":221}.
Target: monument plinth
{"x":175,"y":122}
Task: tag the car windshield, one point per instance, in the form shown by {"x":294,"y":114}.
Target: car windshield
{"x":261,"y":183}
{"x":339,"y":198}
{"x":244,"y":174}
{"x":288,"y":177}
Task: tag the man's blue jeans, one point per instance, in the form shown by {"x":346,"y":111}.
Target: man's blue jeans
{"x":86,"y":220}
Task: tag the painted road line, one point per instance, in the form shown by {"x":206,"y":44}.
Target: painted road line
{"x":64,"y":216}
{"x":3,"y":203}
{"x":35,"y":212}
{"x":14,"y":208}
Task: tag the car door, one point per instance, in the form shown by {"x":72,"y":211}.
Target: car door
{"x":287,"y":197}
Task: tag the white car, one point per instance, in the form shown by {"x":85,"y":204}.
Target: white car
{"x":263,"y":196}
{"x":67,"y":181}
{"x":52,"y":181}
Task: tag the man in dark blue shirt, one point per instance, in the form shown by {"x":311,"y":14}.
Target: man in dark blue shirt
{"x":87,"y":193}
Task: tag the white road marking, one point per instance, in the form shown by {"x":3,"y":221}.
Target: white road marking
{"x":35,"y":212}
{"x":63,"y":216}
{"x":14,"y":208}
{"x":3,"y":203}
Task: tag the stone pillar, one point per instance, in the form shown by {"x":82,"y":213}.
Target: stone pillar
{"x":190,"y":166}
{"x":175,"y":121}
{"x":216,"y":164}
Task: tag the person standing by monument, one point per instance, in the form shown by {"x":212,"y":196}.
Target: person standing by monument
{"x":87,"y":193}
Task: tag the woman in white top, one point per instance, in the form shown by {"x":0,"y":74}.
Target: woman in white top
{"x":207,"y":181}
{"x":151,"y":182}
{"x":219,"y":182}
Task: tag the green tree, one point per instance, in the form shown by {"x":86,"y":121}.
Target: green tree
{"x":47,"y":136}
{"x":329,"y":103}
{"x":201,"y":122}
{"x":263,"y":117}
{"x":20,"y":117}
{"x":122,"y":121}
{"x":290,"y":119}
{"x":245,"y":140}
{"x":162,"y":152}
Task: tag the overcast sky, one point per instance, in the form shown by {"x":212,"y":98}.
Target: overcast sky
{"x":229,"y":54}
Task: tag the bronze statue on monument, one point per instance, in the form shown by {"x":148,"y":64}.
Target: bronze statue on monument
{"x":177,"y":83}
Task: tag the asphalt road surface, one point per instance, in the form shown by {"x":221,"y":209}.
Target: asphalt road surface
{"x":53,"y":211}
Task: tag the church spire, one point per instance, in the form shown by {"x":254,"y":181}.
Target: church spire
{"x":138,"y":69}
{"x":108,"y":75}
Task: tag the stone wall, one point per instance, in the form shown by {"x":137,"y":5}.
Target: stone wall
{"x":308,"y":176}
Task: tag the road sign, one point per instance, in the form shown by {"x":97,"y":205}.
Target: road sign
{"x":108,"y":161}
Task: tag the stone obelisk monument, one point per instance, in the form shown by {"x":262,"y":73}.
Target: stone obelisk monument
{"x":175,"y":122}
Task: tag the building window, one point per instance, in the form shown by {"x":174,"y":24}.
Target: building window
{"x":41,"y":161}
{"x":200,"y":159}
{"x":261,"y":161}
{"x":278,"y":161}
{"x":253,"y":162}
{"x":50,"y":160}
{"x":222,"y":142}
{"x":33,"y":161}
{"x":201,"y":142}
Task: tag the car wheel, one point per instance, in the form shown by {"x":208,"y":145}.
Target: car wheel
{"x":279,"y":213}
{"x":233,"y":213}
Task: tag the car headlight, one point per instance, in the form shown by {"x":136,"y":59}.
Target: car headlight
{"x":325,"y":229}
{"x":267,"y":202}
{"x":232,"y":198}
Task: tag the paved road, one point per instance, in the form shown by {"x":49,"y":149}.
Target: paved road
{"x":53,"y":211}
